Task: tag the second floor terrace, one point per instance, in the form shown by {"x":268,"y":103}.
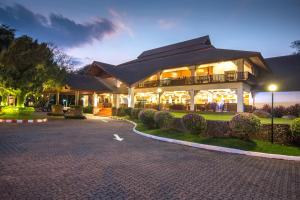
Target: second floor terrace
{"x":204,"y":79}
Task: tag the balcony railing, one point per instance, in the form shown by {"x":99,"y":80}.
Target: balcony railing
{"x":195,"y":80}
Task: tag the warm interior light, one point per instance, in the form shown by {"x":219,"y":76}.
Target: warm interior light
{"x":272,"y":87}
{"x":159,"y":90}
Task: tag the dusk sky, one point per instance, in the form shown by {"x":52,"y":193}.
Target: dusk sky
{"x":118,"y":31}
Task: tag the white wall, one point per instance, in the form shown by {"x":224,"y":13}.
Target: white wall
{"x":280,"y":98}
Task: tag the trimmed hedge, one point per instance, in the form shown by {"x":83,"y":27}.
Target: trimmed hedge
{"x":135,"y":113}
{"x":244,"y":125}
{"x":88,"y":109}
{"x":194,"y":123}
{"x":163,"y":119}
{"x":127,"y":111}
{"x":262,"y":114}
{"x":295,"y":127}
{"x":147,"y":117}
{"x":17,"y":110}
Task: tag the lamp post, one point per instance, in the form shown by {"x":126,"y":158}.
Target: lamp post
{"x":159,"y":90}
{"x":272,"y":88}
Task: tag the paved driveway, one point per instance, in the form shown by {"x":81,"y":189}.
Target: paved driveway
{"x":71,"y":159}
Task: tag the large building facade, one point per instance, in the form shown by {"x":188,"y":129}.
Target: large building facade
{"x":191,"y":75}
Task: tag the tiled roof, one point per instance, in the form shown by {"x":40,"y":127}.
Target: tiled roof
{"x":192,"y":52}
{"x":285,"y":72}
{"x":85,"y":82}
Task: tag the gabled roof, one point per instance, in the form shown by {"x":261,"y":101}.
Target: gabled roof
{"x":197,"y":43}
{"x":139,"y":69}
{"x":285,"y":72}
{"x":192,"y":52}
{"x":85,"y":82}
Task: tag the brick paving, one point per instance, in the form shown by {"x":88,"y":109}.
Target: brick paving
{"x":78,"y":159}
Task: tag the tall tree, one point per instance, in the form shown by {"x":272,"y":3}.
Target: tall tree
{"x":27,"y":66}
{"x":7,"y":36}
{"x":296,"y":45}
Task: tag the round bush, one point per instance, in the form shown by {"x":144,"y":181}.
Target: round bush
{"x":262,"y":114}
{"x":163,"y":119}
{"x":121,"y":112}
{"x":244,"y":124}
{"x":194,"y":123}
{"x":147,"y":117}
{"x":127,"y":111}
{"x":295,"y":127}
{"x":135,"y":113}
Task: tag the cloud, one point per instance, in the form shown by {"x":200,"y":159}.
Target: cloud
{"x":166,"y":24}
{"x":57,"y":29}
{"x":118,"y":20}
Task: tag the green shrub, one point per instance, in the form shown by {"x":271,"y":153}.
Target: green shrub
{"x":135,"y":113}
{"x":14,"y":110}
{"x":194,"y":123}
{"x":57,"y":109}
{"x":88,"y":109}
{"x":121,"y":112}
{"x":262,"y":114}
{"x":127,"y":111}
{"x":147,"y":117}
{"x":114,"y":111}
{"x":244,"y":124}
{"x":295,"y":127}
{"x":163,"y":119}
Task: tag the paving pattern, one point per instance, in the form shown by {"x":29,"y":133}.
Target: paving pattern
{"x":79,"y":159}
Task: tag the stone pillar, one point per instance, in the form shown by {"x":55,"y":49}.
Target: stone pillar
{"x":131,"y":97}
{"x":57,"y":98}
{"x":192,"y":100}
{"x":116,"y":100}
{"x":240,"y":99}
{"x":76,"y":98}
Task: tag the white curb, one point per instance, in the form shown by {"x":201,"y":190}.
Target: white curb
{"x":214,"y":148}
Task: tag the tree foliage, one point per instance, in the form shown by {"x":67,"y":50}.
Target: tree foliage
{"x":29,"y":67}
{"x":7,"y":36}
{"x":296,"y":45}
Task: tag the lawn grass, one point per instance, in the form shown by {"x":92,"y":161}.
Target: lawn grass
{"x":22,"y":116}
{"x":253,"y":145}
{"x":228,"y":116}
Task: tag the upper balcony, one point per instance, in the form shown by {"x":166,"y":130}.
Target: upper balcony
{"x":197,"y":80}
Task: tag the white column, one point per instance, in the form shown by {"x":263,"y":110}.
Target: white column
{"x":240,"y":99}
{"x":116,"y":100}
{"x":131,"y":97}
{"x":193,"y":72}
{"x":118,"y":83}
{"x":192,"y":100}
{"x":57,"y":98}
{"x":95,"y":100}
{"x":76,"y":98}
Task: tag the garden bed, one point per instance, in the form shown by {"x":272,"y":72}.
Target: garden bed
{"x":228,"y":116}
{"x":230,"y":142}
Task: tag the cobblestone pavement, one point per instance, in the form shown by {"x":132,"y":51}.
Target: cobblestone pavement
{"x":74,"y":159}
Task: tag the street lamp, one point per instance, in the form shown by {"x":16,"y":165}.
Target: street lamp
{"x":159,"y":90}
{"x":272,"y":88}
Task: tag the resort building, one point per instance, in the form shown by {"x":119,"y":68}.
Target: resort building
{"x":191,"y":75}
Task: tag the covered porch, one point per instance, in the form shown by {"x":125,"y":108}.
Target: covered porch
{"x":229,"y":98}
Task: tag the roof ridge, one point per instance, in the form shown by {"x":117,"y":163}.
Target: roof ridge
{"x":203,"y":39}
{"x":282,"y":56}
{"x":147,"y":59}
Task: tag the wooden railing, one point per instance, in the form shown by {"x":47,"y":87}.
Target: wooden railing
{"x":194,"y":80}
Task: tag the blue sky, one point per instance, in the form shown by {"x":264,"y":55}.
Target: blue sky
{"x":118,"y":31}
